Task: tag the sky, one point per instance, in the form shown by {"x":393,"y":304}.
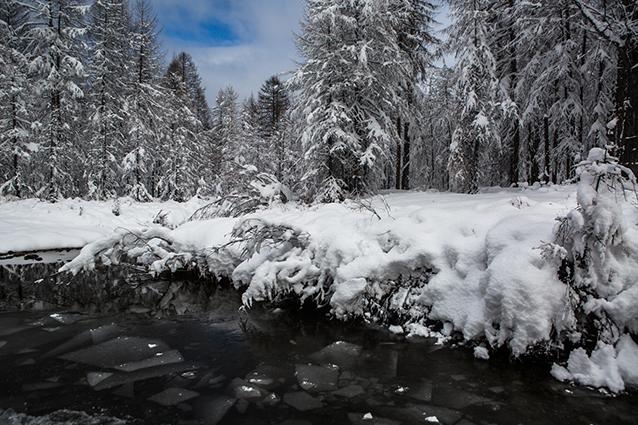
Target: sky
{"x":233,"y":42}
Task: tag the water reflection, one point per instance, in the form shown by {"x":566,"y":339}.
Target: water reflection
{"x":109,"y":348}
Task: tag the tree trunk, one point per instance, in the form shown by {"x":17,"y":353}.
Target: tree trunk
{"x":533,"y":142}
{"x":547,"y":158}
{"x":399,"y":157}
{"x":405,"y":178}
{"x":516,"y":139}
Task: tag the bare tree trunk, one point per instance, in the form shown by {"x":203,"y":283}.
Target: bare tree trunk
{"x":547,"y":156}
{"x":405,"y":170}
{"x":532,"y":143}
{"x":399,"y":157}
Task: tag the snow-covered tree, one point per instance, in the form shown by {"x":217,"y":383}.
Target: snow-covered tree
{"x":56,"y":71}
{"x":355,"y":77}
{"x":616,"y":23}
{"x":110,"y":75}
{"x":145,"y":102}
{"x":590,"y":246}
{"x":187,"y":70}
{"x":227,"y":141}
{"x":438,"y":121}
{"x":180,"y":152}
{"x":410,"y":22}
{"x":251,"y":135}
{"x":14,"y":98}
{"x":475,"y":137}
{"x":273,"y":106}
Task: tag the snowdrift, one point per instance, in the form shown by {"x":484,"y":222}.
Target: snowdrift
{"x":485,"y":276}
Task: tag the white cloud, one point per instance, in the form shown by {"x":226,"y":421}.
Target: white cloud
{"x":264,"y":43}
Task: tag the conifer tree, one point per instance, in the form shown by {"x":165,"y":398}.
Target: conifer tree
{"x":477,"y":84}
{"x":56,"y":71}
{"x":181,"y":153}
{"x":147,"y":111}
{"x":14,"y":98}
{"x":273,"y":106}
{"x":110,"y":74}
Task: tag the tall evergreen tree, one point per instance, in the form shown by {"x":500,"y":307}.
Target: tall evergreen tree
{"x":355,"y":77}
{"x":226,"y":128}
{"x":110,"y":75}
{"x":181,"y":153}
{"x":273,"y":106}
{"x":477,"y":85}
{"x":14,"y":98}
{"x":411,"y":23}
{"x":186,"y":69}
{"x":616,"y":23}
{"x":256,"y":150}
{"x":56,"y":71}
{"x":147,"y":111}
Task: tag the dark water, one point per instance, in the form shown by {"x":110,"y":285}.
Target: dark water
{"x":115,"y":347}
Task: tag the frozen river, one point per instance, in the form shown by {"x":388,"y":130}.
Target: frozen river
{"x":99,"y":348}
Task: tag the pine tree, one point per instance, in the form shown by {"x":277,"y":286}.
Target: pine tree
{"x":616,"y":23}
{"x":187,"y":71}
{"x":353,"y":81}
{"x":228,"y":144}
{"x":256,"y":150}
{"x":440,"y":109}
{"x":411,"y":24}
{"x":273,"y":106}
{"x":477,"y":84}
{"x":181,"y":152}
{"x":14,"y":98}
{"x":147,"y":111}
{"x":56,"y":70}
{"x":110,"y":74}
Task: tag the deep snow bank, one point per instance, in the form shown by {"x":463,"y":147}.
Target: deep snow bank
{"x":486,"y":277}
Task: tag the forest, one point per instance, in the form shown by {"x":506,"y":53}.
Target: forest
{"x":89,"y":108}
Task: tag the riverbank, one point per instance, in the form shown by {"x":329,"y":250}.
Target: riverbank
{"x":471,"y":263}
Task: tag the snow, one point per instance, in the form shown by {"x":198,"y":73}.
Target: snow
{"x":481,"y":353}
{"x":398,"y":330}
{"x":488,"y":280}
{"x":607,"y":366}
{"x":33,"y":225}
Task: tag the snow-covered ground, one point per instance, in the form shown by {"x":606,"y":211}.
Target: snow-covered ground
{"x":32,"y":225}
{"x":487,"y":277}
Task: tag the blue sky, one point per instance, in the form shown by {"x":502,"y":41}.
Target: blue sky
{"x":236,"y":42}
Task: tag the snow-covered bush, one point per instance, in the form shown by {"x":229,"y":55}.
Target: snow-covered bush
{"x":597,"y":254}
{"x":253,"y":190}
